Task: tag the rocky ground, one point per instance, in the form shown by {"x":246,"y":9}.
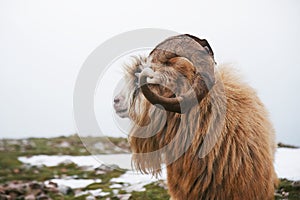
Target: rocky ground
{"x":80,"y":180}
{"x":67,"y":180}
{"x":100,"y":183}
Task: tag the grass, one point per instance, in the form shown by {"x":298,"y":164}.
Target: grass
{"x":8,"y":160}
{"x":71,"y":145}
{"x":11,"y":169}
{"x":287,"y":186}
{"x":105,"y":183}
{"x":153,"y":192}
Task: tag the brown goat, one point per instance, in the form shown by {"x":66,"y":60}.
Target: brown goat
{"x":210,"y":128}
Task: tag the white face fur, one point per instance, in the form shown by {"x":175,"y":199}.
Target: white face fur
{"x":120,"y":105}
{"x":122,"y":101}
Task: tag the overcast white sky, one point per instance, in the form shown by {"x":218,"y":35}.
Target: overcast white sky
{"x":44,"y":43}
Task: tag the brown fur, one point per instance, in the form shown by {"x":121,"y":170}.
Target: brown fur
{"x":218,"y":156}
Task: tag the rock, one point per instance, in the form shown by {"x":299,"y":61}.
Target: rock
{"x":37,"y":192}
{"x":16,"y":171}
{"x":66,"y":190}
{"x":30,"y":197}
{"x":103,"y":167}
{"x":35,"y":185}
{"x":285,"y":194}
{"x":43,"y":197}
{"x":21,"y":197}
{"x":4,"y":197}
{"x":296,"y":184}
{"x":107,"y":168}
{"x":15,"y":192}
{"x":52,"y":184}
{"x":51,"y":187}
{"x":2,"y":190}
{"x":113,"y":166}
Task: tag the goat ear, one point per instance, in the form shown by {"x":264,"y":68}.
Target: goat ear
{"x":183,"y":66}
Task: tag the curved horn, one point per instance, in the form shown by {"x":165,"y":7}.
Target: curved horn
{"x":182,"y":46}
{"x":198,"y":51}
{"x":180,"y":104}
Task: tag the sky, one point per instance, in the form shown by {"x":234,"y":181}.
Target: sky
{"x":43,"y":45}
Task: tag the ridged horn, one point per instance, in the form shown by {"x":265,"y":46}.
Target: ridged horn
{"x":189,"y":47}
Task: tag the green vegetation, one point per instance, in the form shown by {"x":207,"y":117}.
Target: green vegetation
{"x":105,"y":183}
{"x":13,"y":170}
{"x":286,"y":186}
{"x":153,"y":192}
{"x":71,"y":145}
{"x":9,"y":161}
{"x":18,"y":172}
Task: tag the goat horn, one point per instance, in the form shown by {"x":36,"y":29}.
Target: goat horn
{"x":180,"y":104}
{"x":194,"y":50}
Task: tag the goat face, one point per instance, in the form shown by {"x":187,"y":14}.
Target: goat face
{"x":174,"y":81}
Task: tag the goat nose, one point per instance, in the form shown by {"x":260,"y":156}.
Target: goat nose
{"x":116,"y":100}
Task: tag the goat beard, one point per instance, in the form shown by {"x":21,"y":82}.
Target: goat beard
{"x":144,"y":139}
{"x":158,"y":136}
{"x":149,"y":134}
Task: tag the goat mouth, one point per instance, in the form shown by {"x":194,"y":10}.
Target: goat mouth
{"x":121,"y":111}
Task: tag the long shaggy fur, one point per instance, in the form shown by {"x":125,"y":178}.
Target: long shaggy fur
{"x":223,"y":148}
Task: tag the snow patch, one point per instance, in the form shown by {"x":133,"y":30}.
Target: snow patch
{"x":73,"y":183}
{"x":287,"y":164}
{"x":122,"y":160}
{"x":135,"y":181}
